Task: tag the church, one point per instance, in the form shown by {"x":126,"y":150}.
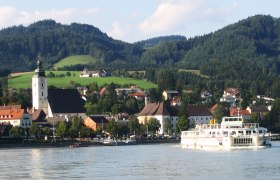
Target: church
{"x":56,"y":103}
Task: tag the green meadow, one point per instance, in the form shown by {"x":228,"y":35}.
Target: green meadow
{"x":73,"y":60}
{"x":24,"y":80}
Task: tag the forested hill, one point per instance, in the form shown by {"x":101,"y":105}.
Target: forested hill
{"x":20,"y":46}
{"x":159,"y":40}
{"x":249,"y":47}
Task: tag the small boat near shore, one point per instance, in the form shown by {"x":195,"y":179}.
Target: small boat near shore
{"x":75,"y":145}
{"x":231,"y":133}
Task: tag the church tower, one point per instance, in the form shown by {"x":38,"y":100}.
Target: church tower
{"x":40,"y":88}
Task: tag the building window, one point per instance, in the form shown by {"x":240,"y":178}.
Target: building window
{"x":42,"y":93}
{"x":42,"y":85}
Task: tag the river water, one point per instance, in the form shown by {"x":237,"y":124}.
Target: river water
{"x":158,"y":161}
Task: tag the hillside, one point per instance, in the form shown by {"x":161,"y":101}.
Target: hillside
{"x":253,"y":41}
{"x":251,"y":44}
{"x":159,"y":40}
{"x":74,"y":60}
{"x":21,"y":45}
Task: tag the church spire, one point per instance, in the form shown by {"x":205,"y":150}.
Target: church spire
{"x":39,"y":71}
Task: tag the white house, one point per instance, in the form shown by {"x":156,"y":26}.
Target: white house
{"x":231,"y":95}
{"x":97,"y":73}
{"x":160,"y":112}
{"x":199,"y":114}
{"x":15,"y":116}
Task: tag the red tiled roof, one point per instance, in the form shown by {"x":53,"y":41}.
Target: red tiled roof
{"x":213,"y":108}
{"x":11,"y":114}
{"x":239,"y":111}
{"x":138,"y":94}
{"x":154,"y":109}
{"x":198,"y":111}
{"x":232,"y":90}
{"x":103,"y":91}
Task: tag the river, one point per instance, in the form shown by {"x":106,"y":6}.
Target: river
{"x":157,"y":161}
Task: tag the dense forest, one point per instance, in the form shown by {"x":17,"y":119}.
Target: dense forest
{"x":244,"y":55}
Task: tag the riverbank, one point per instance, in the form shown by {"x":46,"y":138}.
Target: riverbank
{"x":83,"y":143}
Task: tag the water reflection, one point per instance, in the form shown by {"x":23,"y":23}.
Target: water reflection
{"x":165,"y":161}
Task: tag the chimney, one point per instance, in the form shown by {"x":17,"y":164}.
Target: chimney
{"x":147,"y":100}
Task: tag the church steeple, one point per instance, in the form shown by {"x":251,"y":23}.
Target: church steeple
{"x":40,"y":88}
{"x":39,"y":71}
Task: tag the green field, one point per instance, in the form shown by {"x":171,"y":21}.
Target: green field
{"x":197,"y":72}
{"x":24,"y":80}
{"x":73,"y":60}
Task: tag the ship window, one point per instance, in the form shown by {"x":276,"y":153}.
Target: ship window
{"x":248,"y":132}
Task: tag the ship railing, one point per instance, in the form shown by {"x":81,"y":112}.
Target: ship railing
{"x":211,"y":126}
{"x":243,"y":125}
{"x":250,"y":125}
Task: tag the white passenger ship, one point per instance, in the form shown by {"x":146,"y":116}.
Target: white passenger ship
{"x":231,"y":133}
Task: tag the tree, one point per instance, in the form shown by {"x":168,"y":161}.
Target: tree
{"x":46,"y":131}
{"x":183,"y":123}
{"x":274,"y":117}
{"x":35,"y":130}
{"x":167,"y":126}
{"x":117,"y":108}
{"x":112,"y":129}
{"x":153,"y":125}
{"x":134,"y":125}
{"x":76,"y":126}
{"x":17,"y":131}
{"x":131,"y":106}
{"x":221,"y":111}
{"x":61,"y":129}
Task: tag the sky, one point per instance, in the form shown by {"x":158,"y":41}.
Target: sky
{"x":135,"y":20}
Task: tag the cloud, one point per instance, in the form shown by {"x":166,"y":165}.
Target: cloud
{"x":10,"y":16}
{"x":7,"y":14}
{"x":93,"y":10}
{"x":116,"y":31}
{"x":172,"y":15}
{"x":64,"y":16}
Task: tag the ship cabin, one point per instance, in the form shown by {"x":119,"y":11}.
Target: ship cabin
{"x":232,"y":122}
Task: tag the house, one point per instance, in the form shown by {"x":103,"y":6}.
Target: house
{"x":199,"y":114}
{"x":261,"y":110}
{"x":206,"y":97}
{"x":214,"y":108}
{"x":38,"y":115}
{"x":169,"y":94}
{"x":15,"y":117}
{"x":243,"y":113}
{"x":97,"y":73}
{"x":176,"y":101}
{"x":231,"y":95}
{"x":104,"y":91}
{"x":158,"y":111}
{"x":82,"y":90}
{"x":96,"y":122}
{"x":138,"y":96}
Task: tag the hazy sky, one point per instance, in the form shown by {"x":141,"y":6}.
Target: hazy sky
{"x":134,"y":20}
